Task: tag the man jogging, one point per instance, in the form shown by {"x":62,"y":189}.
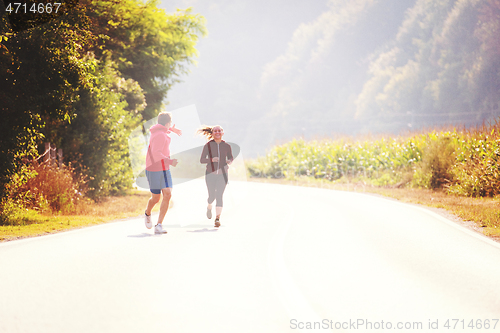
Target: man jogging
{"x":158,"y":169}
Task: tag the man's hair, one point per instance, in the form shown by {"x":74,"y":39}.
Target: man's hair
{"x":164,"y":118}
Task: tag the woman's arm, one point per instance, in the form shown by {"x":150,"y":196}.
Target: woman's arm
{"x":204,"y":155}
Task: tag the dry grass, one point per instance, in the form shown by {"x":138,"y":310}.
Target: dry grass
{"x":108,"y":209}
{"x":483,"y":212}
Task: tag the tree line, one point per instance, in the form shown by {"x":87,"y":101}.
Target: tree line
{"x":386,"y":67}
{"x":443,"y":65}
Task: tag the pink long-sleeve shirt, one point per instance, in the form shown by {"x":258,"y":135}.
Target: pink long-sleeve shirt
{"x":158,"y":157}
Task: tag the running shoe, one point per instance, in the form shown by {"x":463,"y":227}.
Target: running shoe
{"x":209,"y":213}
{"x":159,"y":229}
{"x":147,"y":221}
{"x":217,"y":222}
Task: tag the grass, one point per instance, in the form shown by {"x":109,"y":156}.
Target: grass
{"x":108,"y":209}
{"x":484,"y":213}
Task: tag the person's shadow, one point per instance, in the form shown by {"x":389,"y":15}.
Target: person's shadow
{"x":152,"y":234}
{"x":204,"y":230}
{"x":143,"y":235}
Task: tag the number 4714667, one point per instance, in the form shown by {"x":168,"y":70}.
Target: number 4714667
{"x":36,"y":8}
{"x":478,"y":324}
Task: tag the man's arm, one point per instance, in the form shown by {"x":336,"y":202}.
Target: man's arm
{"x":175,"y":130}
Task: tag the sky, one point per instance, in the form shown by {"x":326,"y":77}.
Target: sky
{"x":264,"y":59}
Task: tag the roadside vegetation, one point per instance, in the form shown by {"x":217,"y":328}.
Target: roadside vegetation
{"x":456,"y":169}
{"x":82,"y":82}
{"x":44,"y":198}
{"x":28,"y":222}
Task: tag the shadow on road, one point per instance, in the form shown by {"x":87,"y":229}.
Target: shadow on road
{"x":152,"y":234}
{"x":144,"y":234}
{"x":203,"y":230}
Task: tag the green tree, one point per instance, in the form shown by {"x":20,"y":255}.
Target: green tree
{"x":148,"y":45}
{"x":141,"y":51}
{"x":85,"y":79}
{"x":42,"y":69}
{"x":443,"y":66}
{"x":486,"y":67}
{"x":96,"y":141}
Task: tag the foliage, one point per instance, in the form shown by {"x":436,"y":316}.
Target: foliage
{"x":97,"y":139}
{"x":22,"y":223}
{"x":434,"y":170}
{"x":464,"y":162}
{"x":477,"y":170}
{"x":42,"y":70}
{"x":149,"y":46}
{"x":334,"y":159}
{"x":42,"y":187}
{"x":443,"y":65}
{"x":84,"y":80}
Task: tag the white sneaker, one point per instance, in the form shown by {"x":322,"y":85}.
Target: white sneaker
{"x":147,"y":221}
{"x":159,"y":229}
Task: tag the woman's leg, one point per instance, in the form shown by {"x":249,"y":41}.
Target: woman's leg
{"x":219,"y":192}
{"x":210,"y":180}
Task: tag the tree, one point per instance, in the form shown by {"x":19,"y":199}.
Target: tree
{"x":86,"y":78}
{"x":442,"y":67}
{"x":486,"y":71}
{"x":148,"y":45}
{"x":97,"y":140}
{"x":42,"y":69}
{"x":140,"y":52}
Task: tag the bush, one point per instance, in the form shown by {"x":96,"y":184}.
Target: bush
{"x":434,"y":171}
{"x":42,"y":187}
{"x":13,"y":214}
{"x":476,"y":178}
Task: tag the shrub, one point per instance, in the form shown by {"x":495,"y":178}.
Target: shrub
{"x":434,"y":171}
{"x":43,"y":187}
{"x":477,"y":177}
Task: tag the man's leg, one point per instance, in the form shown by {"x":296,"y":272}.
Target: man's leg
{"x":152,"y":202}
{"x":167,"y":194}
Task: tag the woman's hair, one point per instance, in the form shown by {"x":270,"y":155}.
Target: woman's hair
{"x":164,"y":118}
{"x":207,"y":131}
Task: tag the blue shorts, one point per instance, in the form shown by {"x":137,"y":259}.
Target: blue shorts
{"x":158,"y":180}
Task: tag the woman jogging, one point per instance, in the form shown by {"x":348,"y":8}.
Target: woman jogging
{"x":158,"y":164}
{"x":218,"y":156}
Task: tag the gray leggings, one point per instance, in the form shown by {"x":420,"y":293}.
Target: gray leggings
{"x":216,"y":184}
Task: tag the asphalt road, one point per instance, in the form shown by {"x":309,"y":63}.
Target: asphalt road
{"x":286,"y":259}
